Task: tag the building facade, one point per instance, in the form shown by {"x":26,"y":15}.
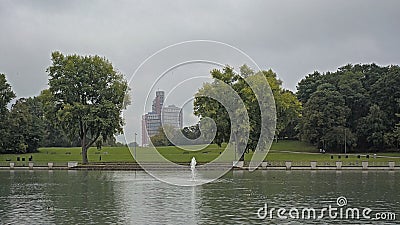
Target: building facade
{"x":172,"y":116}
{"x":152,"y":121}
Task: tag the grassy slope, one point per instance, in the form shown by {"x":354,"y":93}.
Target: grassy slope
{"x":281,"y":151}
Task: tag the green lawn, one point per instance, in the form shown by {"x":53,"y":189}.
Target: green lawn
{"x":107,"y":154}
{"x":282,"y":151}
{"x":296,"y":146}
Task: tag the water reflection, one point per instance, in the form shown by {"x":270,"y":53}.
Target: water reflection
{"x":67,"y":197}
{"x":144,"y":200}
{"x":101,"y":197}
{"x":299,"y":189}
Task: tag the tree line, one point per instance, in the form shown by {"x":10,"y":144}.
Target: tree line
{"x":356,"y":108}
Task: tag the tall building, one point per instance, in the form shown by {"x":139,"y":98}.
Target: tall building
{"x":158,"y":102}
{"x":151,"y":121}
{"x":172,"y":116}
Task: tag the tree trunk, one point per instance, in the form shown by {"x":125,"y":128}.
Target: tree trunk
{"x":242,"y":157}
{"x":86,"y":146}
{"x":84,"y":155}
{"x":84,"y":149}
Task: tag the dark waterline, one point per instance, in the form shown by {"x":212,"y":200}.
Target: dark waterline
{"x":133,"y":197}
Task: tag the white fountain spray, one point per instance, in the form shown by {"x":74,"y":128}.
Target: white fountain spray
{"x":193,"y":168}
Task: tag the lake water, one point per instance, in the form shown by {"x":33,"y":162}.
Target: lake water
{"x":133,"y":197}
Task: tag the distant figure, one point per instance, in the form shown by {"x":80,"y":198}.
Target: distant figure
{"x":100,"y":157}
{"x":99,"y":144}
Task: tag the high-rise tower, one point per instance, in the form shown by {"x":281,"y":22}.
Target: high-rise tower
{"x":152,"y":121}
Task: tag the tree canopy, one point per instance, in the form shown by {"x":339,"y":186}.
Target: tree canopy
{"x":6,"y":95}
{"x":89,"y":96}
{"x":356,"y":106}
{"x":287,"y":106}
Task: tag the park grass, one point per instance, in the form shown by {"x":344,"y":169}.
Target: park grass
{"x":286,"y":150}
{"x":179,"y":155}
{"x":58,"y":155}
{"x":292,"y":145}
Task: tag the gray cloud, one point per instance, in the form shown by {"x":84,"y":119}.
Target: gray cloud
{"x":293,"y":38}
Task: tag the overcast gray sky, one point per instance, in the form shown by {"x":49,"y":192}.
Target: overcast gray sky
{"x":293,"y":38}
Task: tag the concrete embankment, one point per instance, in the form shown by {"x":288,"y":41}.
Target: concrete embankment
{"x":215,"y":166}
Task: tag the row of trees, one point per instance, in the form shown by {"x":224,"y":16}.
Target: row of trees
{"x":22,"y":129}
{"x":355,"y":108}
{"x":82,"y":107}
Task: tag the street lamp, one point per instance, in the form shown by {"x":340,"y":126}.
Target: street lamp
{"x":134,"y":152}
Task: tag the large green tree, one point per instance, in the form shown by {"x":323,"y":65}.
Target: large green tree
{"x":89,"y":96}
{"x":6,"y":95}
{"x":54,"y":135}
{"x":209,"y":107}
{"x":372,"y":128}
{"x":386,"y":94}
{"x":287,"y":106}
{"x":26,"y":125}
{"x":395,"y":135}
{"x":308,"y":85}
{"x":324,"y":118}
